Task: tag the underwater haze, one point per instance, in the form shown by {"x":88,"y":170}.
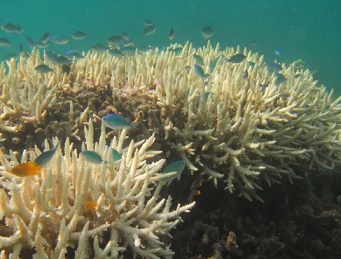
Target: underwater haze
{"x":281,"y":30}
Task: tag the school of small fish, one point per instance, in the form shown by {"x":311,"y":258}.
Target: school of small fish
{"x":120,"y":46}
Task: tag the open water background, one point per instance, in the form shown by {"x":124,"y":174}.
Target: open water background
{"x":307,"y":30}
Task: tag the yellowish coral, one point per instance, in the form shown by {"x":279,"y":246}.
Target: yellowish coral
{"x":241,"y":125}
{"x":25,"y":96}
{"x":99,"y":211}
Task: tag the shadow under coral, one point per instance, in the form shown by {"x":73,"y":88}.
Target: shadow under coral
{"x":300,"y":220}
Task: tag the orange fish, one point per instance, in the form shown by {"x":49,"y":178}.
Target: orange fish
{"x":89,"y":206}
{"x":26,"y":169}
{"x":195,"y":191}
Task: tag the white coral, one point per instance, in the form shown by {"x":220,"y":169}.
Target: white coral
{"x":46,"y":213}
{"x":25,"y":94}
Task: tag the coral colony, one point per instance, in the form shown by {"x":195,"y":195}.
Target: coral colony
{"x":99,"y":209}
{"x":223,"y":114}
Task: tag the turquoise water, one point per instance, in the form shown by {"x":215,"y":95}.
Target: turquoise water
{"x":307,"y":30}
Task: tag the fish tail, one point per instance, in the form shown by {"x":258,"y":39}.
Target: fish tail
{"x":35,"y":170}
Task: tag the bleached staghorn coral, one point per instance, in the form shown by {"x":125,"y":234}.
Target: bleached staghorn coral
{"x":100,"y":211}
{"x":246,"y":123}
{"x":24,"y":94}
{"x":256,"y":127}
{"x":27,"y":95}
{"x":242,"y":124}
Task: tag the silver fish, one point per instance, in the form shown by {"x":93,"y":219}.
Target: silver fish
{"x":207,"y":32}
{"x":11,"y":28}
{"x":46,"y":37}
{"x":59,"y":39}
{"x":148,"y":30}
{"x":115,"y":40}
{"x":4,"y":42}
{"x":99,"y":47}
{"x":237,"y":58}
{"x":71,"y":54}
{"x":43,"y":69}
{"x":41,"y":45}
{"x":171,"y":34}
{"x":79,"y":35}
{"x":62,"y":60}
{"x":148,"y":22}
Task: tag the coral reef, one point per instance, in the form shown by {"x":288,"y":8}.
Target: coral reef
{"x":78,"y":209}
{"x":234,"y":120}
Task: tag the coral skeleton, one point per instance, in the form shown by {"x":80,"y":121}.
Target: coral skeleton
{"x":24,"y":96}
{"x":96,"y":210}
{"x":242,"y":125}
{"x":239,"y":124}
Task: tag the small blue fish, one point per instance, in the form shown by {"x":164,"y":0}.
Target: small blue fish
{"x":5,"y":42}
{"x":115,"y":155}
{"x":116,"y":53}
{"x":237,"y":58}
{"x":70,"y":54}
{"x":62,"y":60}
{"x":46,"y":38}
{"x":115,"y":121}
{"x":79,"y":35}
{"x":198,"y":59}
{"x":92,"y":157}
{"x":245,"y":74}
{"x":177,"y":166}
{"x":11,"y":28}
{"x":45,"y":157}
{"x":43,"y":69}
{"x":200,"y":71}
{"x":147,"y":22}
{"x":149,"y":30}
{"x":278,"y":52}
{"x":41,"y":45}
{"x":51,"y":55}
{"x":207,"y":32}
{"x":99,"y":47}
{"x":171,"y":34}
{"x":59,"y":39}
{"x":115,"y":40}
